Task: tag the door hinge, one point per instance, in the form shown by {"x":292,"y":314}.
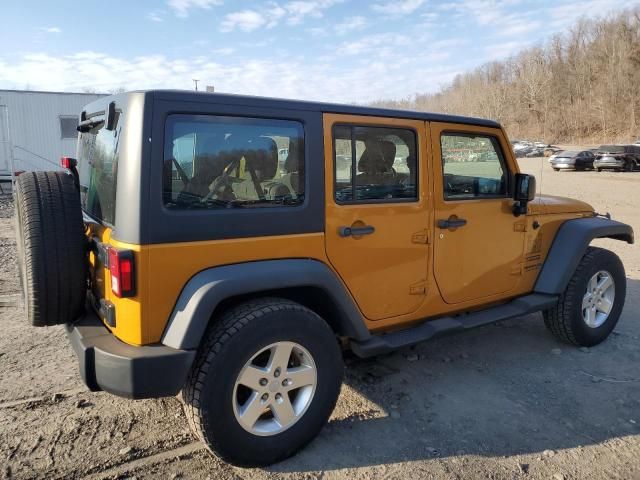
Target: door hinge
{"x":419,"y":288}
{"x":421,"y":237}
{"x":519,"y":227}
{"x":516,"y":269}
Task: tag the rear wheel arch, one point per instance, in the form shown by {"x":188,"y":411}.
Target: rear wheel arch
{"x":316,"y":299}
{"x":309,"y":283}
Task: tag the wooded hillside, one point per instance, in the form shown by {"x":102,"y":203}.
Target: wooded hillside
{"x":581,"y":86}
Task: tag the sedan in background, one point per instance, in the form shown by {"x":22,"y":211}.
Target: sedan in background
{"x":573,"y":160}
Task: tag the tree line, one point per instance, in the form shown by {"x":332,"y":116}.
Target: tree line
{"x":580,"y":86}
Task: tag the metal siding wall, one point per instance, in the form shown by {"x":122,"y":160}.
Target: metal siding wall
{"x":34,"y":126}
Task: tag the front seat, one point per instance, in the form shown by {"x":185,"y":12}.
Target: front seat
{"x":374,"y":164}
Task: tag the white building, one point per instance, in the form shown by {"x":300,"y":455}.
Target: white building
{"x":37,"y":128}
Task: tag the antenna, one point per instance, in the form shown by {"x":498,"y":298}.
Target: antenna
{"x":195,"y":81}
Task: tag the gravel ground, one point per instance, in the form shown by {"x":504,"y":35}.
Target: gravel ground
{"x":506,"y":401}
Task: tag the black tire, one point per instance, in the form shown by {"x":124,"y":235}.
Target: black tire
{"x":628,"y":167}
{"x":230,"y":343}
{"x":51,"y":247}
{"x":565,"y":320}
{"x":598,"y":170}
{"x":556,"y":169}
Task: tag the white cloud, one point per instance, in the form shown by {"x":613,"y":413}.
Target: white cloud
{"x":155,"y":17}
{"x":350,"y":24}
{"x":374,"y":44}
{"x":245,"y":20}
{"x":294,"y":13}
{"x":366,"y":81}
{"x":564,"y":15}
{"x":398,"y":7}
{"x":50,"y":30}
{"x":182,"y":7}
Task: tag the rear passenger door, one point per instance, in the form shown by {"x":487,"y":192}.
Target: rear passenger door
{"x":376,"y":211}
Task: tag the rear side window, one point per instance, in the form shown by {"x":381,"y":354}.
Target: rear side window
{"x":373,"y":164}
{"x":98,"y":151}
{"x":213,"y":162}
{"x":473,"y":167}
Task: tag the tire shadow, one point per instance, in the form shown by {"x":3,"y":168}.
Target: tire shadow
{"x":501,"y":390}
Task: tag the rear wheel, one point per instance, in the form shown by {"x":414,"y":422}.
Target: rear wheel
{"x":628,"y":167}
{"x":590,"y":307}
{"x":51,"y":247}
{"x":556,"y":169}
{"x":264,"y":383}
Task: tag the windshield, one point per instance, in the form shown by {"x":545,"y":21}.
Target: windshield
{"x":97,"y":168}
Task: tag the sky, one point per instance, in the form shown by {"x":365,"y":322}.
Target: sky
{"x":331,"y":50}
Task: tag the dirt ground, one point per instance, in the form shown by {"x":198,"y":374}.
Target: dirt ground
{"x":505,"y":401}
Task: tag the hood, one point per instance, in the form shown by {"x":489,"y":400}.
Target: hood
{"x":553,"y":204}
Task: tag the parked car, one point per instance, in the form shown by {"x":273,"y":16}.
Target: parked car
{"x":548,"y":151}
{"x":617,"y":157}
{"x":240,"y":286}
{"x":554,"y":155}
{"x":536,"y":152}
{"x":572,"y":160}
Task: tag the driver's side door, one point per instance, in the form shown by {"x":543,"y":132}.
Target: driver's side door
{"x":478,"y":241}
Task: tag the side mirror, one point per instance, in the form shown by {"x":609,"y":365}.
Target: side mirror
{"x":525,"y":191}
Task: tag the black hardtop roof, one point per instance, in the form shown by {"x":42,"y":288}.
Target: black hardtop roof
{"x":267,"y":102}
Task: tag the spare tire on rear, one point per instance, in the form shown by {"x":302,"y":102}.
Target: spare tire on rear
{"x":51,"y":247}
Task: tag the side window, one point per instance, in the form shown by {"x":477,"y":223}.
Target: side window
{"x":224,"y":162}
{"x":374,"y":164}
{"x":473,"y":167}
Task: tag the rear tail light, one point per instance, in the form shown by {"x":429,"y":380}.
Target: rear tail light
{"x":121,"y":268}
{"x":68,"y":162}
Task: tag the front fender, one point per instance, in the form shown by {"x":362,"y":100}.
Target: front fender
{"x":570,"y":245}
{"x":205,"y":290}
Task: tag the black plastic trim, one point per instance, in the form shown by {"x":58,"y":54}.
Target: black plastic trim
{"x":570,"y":245}
{"x":129,"y":371}
{"x":385,"y":343}
{"x":204,"y":292}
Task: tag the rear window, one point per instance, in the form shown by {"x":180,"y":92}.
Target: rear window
{"x":97,"y":168}
{"x":213,"y":162}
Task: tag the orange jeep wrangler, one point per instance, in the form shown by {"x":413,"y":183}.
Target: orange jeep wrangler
{"x":229,"y":247}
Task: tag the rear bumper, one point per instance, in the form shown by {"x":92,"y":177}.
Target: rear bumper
{"x":564,"y":166}
{"x":609,"y":164}
{"x":129,"y":371}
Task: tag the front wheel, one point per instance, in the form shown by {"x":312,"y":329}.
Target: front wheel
{"x":264,"y":383}
{"x":591,"y":305}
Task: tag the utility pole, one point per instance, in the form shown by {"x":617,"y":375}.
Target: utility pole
{"x":195,"y":81}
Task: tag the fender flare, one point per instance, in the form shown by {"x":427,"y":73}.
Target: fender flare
{"x":205,"y":290}
{"x":570,"y":245}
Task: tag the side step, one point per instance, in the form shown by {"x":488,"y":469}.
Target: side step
{"x":387,"y":342}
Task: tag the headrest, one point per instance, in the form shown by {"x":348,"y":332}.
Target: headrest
{"x":372,"y":160}
{"x":388,"y":152}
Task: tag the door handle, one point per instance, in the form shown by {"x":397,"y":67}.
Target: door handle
{"x":356,"y":231}
{"x":451,"y":223}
